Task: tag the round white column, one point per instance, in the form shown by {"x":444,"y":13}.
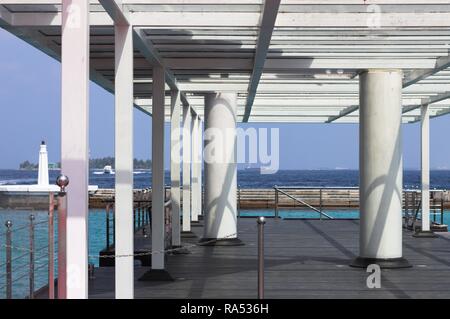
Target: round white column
{"x":220,"y":169}
{"x":380,"y":169}
{"x":43,"y":165}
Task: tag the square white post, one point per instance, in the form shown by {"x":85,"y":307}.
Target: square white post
{"x":158,"y":168}
{"x":199,"y":164}
{"x":175,"y":162}
{"x":195,"y":204}
{"x":425,"y":166}
{"x":75,"y":141}
{"x":124,"y":242}
{"x":186,"y":227}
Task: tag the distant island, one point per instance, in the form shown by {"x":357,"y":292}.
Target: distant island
{"x":94,"y":163}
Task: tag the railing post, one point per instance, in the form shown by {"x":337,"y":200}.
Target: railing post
{"x":107,"y":226}
{"x":261,"y":221}
{"x":276,"y":202}
{"x":442,"y":208}
{"x":62,"y":181}
{"x":8,"y":225}
{"x":114,"y":225}
{"x":239,"y":201}
{"x":31,"y":256}
{"x":51,"y":250}
{"x":320,"y":203}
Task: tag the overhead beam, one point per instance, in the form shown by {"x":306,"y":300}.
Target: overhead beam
{"x":115,"y":11}
{"x":152,"y":56}
{"x":415,"y":76}
{"x":250,"y":19}
{"x":343,"y":113}
{"x":119,"y":16}
{"x":269,"y":16}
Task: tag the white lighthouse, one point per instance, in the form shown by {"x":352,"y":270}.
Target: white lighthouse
{"x":43,"y":165}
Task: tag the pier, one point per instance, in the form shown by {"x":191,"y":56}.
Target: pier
{"x":200,"y":68}
{"x":303,"y":259}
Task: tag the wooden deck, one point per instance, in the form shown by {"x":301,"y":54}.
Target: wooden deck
{"x":304,"y":259}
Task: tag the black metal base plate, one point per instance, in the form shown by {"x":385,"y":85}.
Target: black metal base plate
{"x":221,"y":242}
{"x":188,"y":234}
{"x":106,"y":259}
{"x":424,"y":234}
{"x":196,"y":224}
{"x":179,"y":250}
{"x":156,"y":275}
{"x":389,"y":263}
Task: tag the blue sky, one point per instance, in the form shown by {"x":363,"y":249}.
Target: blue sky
{"x":30,"y":112}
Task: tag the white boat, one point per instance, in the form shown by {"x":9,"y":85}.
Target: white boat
{"x":107,"y":169}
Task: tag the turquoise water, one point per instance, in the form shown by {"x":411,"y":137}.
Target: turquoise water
{"x":20,"y":240}
{"x":97,"y":240}
{"x":337,"y":214}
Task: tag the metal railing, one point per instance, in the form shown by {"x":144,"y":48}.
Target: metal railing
{"x":298,"y":200}
{"x":412,"y":205}
{"x":23,"y":256}
{"x":141,"y":219}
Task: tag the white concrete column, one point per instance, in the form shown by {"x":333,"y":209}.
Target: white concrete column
{"x":175,"y":162}
{"x":195,"y":204}
{"x":124,"y":243}
{"x":380,"y":161}
{"x":158,"y":168}
{"x":43,"y":165}
{"x":75,"y":140}
{"x":186,"y":225}
{"x":220,"y":168}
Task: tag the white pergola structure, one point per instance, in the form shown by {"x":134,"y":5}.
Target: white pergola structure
{"x":379,"y":63}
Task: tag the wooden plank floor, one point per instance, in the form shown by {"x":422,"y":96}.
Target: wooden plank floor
{"x":304,"y":259}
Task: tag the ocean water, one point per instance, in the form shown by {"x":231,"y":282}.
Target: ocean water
{"x":440,"y":179}
{"x":97,"y":218}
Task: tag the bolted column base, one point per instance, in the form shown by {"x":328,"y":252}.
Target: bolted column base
{"x":156,"y":275}
{"x":179,"y":250}
{"x":188,"y":234}
{"x":384,"y":263}
{"x":424,"y":234}
{"x":221,"y":242}
{"x":196,"y":224}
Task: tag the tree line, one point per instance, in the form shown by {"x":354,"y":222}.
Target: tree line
{"x":94,"y":163}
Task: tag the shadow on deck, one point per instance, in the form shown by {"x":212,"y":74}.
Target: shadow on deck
{"x":304,"y":259}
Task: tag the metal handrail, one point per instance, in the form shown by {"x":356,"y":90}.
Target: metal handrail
{"x":277,"y":189}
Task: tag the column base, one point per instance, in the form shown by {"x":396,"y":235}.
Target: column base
{"x":221,"y":242}
{"x":180,"y":250}
{"x":385,"y":263}
{"x":424,"y":234}
{"x":188,"y":234}
{"x":156,"y":275}
{"x":196,"y":224}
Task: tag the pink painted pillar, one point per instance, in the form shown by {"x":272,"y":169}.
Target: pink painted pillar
{"x":74,"y":141}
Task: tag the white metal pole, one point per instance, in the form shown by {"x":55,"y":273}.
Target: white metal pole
{"x":195,"y":204}
{"x":199,"y":165}
{"x":220,"y":168}
{"x":158,"y":228}
{"x":124,"y":242}
{"x":381,"y":169}
{"x":75,"y":139}
{"x":175,"y":162}
{"x":186,"y":225}
{"x":425,"y":165}
{"x":425,"y":172}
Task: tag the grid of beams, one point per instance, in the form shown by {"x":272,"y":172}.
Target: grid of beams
{"x":300,"y":64}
